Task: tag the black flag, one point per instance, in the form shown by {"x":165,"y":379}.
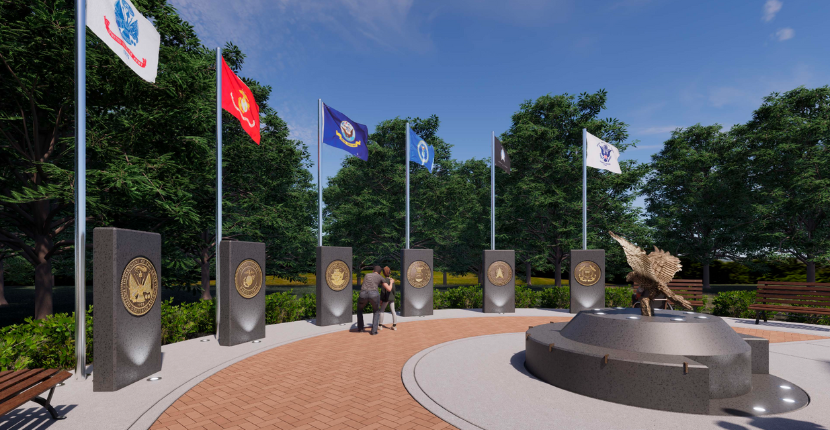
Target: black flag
{"x":502,"y":160}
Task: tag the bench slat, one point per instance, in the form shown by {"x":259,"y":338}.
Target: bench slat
{"x":794,"y":290}
{"x":783,"y":301}
{"x":16,"y":377}
{"x":23,"y":397}
{"x":791,"y":283}
{"x":26,"y":382}
{"x":790,"y":309}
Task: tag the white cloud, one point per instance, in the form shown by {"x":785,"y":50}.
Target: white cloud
{"x":659,"y":129}
{"x":785,"y":34}
{"x":771,"y":7}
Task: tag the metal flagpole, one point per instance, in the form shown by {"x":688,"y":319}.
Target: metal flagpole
{"x":493,"y":193}
{"x":80,"y":189}
{"x":320,"y":172}
{"x":584,"y":189}
{"x":218,"y":179}
{"x":407,"y":185}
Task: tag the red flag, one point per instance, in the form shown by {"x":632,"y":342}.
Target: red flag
{"x":239,"y":101}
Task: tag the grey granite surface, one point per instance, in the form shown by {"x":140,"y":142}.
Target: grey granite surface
{"x":416,"y":301}
{"x":126,"y":347}
{"x":241,"y":319}
{"x":333,"y":307}
{"x":593,"y":296}
{"x":499,"y":299}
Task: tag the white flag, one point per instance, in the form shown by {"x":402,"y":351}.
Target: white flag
{"x":602,"y":155}
{"x":133,"y":37}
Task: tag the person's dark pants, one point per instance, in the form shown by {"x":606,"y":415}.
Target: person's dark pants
{"x":365,"y":298}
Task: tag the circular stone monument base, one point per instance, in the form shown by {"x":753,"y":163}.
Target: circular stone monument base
{"x":481,"y":383}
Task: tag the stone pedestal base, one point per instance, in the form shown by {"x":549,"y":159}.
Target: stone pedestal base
{"x":499,"y":281}
{"x":416,"y":282}
{"x":587,"y":279}
{"x":127,"y":317}
{"x":334,"y":285}
{"x":241,"y":292}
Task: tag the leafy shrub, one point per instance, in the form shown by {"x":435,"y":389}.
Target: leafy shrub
{"x":46,"y":343}
{"x":735,"y":304}
{"x":526,"y":298}
{"x":618,"y":296}
{"x":461,"y":297}
{"x":555,"y":298}
{"x":283,"y":307}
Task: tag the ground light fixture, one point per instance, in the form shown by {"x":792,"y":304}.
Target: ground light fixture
{"x":205,"y":340}
{"x":154,"y":378}
{"x":788,"y":400}
{"x":701,"y":317}
{"x":256,"y":341}
{"x":759,"y":409}
{"x":786,"y":387}
{"x":600,"y":313}
{"x":678,"y":319}
{"x":633,"y":318}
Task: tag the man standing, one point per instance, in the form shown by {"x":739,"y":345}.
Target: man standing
{"x":369,"y":294}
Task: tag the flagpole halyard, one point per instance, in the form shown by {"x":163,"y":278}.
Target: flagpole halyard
{"x":407,"y":185}
{"x":320,"y":172}
{"x":493,"y":192}
{"x":218,"y":180}
{"x":584,"y":189}
{"x":80,"y":189}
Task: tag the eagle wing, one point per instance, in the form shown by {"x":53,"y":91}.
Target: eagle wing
{"x":636,"y":256}
{"x":663,"y":266}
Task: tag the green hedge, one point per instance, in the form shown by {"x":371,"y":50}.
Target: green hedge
{"x":735,"y":304}
{"x":50,"y":343}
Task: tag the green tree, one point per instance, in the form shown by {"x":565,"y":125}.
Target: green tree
{"x":786,"y":142}
{"x":542,"y":210}
{"x":365,"y":201}
{"x":698,"y":196}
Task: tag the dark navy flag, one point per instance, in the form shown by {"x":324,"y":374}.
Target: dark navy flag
{"x":341,"y":132}
{"x":420,"y":152}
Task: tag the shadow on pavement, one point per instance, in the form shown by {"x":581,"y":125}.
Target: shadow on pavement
{"x":772,"y":423}
{"x":35,"y":418}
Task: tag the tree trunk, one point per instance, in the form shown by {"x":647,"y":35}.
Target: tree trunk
{"x":558,"y":272}
{"x":43,"y":289}
{"x":527,"y":272}
{"x":445,"y":278}
{"x":3,"y":301}
{"x":811,"y":271}
{"x":706,"y":276}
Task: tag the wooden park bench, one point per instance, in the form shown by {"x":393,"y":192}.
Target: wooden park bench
{"x":791,"y":297}
{"x":690,"y":289}
{"x":19,"y":386}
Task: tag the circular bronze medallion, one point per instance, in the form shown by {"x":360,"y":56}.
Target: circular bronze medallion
{"x":419,"y":274}
{"x":248,"y":278}
{"x":587,"y":273}
{"x":499,"y":273}
{"x":338,"y":275}
{"x":139,"y":286}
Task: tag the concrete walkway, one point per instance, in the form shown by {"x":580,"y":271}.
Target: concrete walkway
{"x":299,"y":375}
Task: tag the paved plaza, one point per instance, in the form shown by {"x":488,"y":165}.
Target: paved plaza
{"x":308,"y":377}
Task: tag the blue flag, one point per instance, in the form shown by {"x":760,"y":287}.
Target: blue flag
{"x":341,"y":132}
{"x":420,"y":152}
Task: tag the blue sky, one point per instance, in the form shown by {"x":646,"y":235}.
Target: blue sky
{"x":665,"y":64}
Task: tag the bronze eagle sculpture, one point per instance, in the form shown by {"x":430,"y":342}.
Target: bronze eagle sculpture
{"x":653,"y":272}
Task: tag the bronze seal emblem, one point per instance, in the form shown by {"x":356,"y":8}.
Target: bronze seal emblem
{"x":499,"y":273}
{"x":139,"y":286}
{"x":419,"y":274}
{"x":248,"y":278}
{"x":338,"y":275}
{"x":587,"y":273}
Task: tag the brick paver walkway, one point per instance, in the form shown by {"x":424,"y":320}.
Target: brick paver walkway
{"x":339,"y":380}
{"x":777,"y":336}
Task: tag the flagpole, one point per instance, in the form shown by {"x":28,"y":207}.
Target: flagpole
{"x":584,"y":189}
{"x":80,"y":189}
{"x":218,"y":181}
{"x":493,"y":192}
{"x":407,"y":184}
{"x":320,"y":172}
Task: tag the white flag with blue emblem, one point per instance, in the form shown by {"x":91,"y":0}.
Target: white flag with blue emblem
{"x":119,"y":25}
{"x":602,"y":155}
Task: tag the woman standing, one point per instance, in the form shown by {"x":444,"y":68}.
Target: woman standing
{"x":387,"y":297}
